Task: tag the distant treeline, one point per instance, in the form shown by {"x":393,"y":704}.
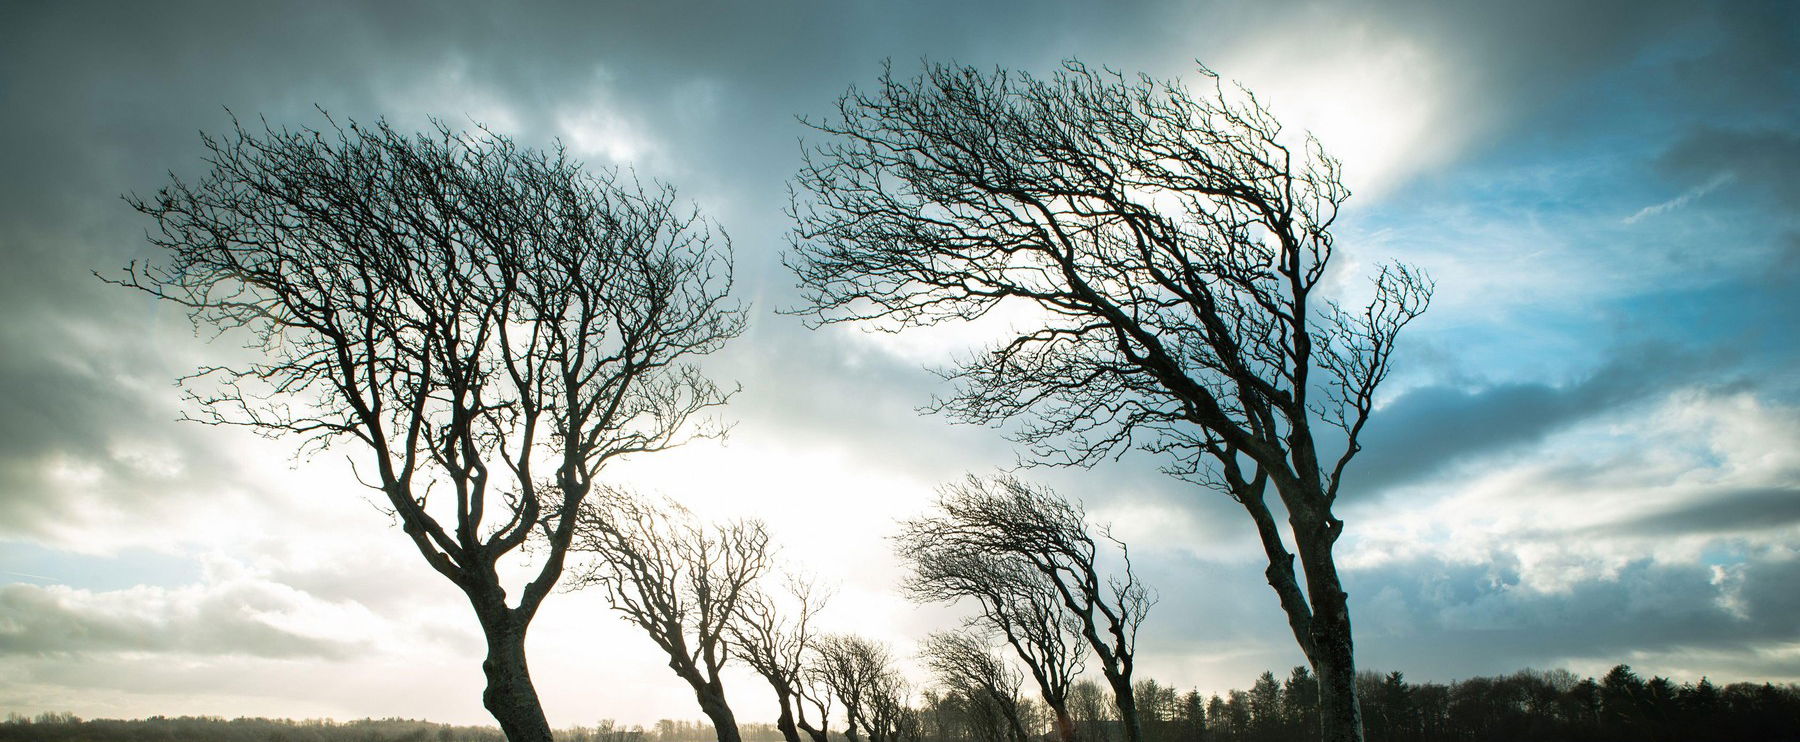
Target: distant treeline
{"x":65,"y":727}
{"x":1553,"y":706}
{"x":1548,"y":706}
{"x":69,"y":728}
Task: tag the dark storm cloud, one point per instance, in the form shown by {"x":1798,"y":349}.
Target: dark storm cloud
{"x":53,"y":621}
{"x":1720,"y":512}
{"x":1433,"y":428}
{"x":1441,"y":620}
{"x":1569,"y":72}
{"x":1748,"y":70}
{"x":1453,"y":620}
{"x":1759,"y":163}
{"x":101,"y":101}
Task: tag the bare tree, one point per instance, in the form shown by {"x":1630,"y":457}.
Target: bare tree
{"x":1014,"y":600}
{"x":776,"y":643}
{"x":681,"y":581}
{"x":1090,"y":711}
{"x":1172,"y":249}
{"x":1025,"y":554}
{"x":485,"y":322}
{"x":890,"y":716}
{"x":861,"y":674}
{"x":964,"y":663}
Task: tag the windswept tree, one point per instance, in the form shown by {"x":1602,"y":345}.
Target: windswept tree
{"x":862,"y":675}
{"x":776,"y":641}
{"x":1035,"y":547}
{"x":682,"y":581}
{"x":1013,"y":600}
{"x":485,"y":324}
{"x":964,"y":663}
{"x":1168,"y":249}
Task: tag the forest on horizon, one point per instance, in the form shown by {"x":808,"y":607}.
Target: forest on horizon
{"x":1549,"y":706}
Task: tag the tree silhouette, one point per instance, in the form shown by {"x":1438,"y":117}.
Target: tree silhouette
{"x":861,"y":674}
{"x":1025,"y":554}
{"x":776,"y":645}
{"x":683,"y":582}
{"x":964,"y":663}
{"x":488,"y":324}
{"x":1168,"y":250}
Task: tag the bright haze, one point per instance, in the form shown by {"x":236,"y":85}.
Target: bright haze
{"x":1589,"y":452}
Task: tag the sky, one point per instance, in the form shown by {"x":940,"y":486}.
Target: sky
{"x":1589,"y":452}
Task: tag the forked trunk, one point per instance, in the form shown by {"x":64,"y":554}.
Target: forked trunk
{"x":510,"y":696}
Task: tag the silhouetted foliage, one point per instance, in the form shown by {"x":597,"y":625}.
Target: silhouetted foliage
{"x":487,"y":323}
{"x":1553,"y":706}
{"x":60,"y":727}
{"x":1168,"y":250}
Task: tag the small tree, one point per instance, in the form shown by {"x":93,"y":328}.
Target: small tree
{"x":776,"y":644}
{"x":1170,"y":252}
{"x":1090,"y":712}
{"x":861,"y":674}
{"x":1014,"y":602}
{"x":1025,"y":554}
{"x":487,"y":324}
{"x":682,"y":582}
{"x":1300,"y":700}
{"x":964,"y":663}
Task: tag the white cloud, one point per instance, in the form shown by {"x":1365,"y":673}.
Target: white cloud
{"x":596,"y":123}
{"x":1679,"y":201}
{"x":1579,"y":506}
{"x":1377,"y":100}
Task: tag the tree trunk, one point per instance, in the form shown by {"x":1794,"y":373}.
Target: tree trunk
{"x":817,"y":734}
{"x":1126,"y":700}
{"x":1333,"y":656}
{"x":785,"y":722}
{"x":509,"y":696}
{"x":1065,"y":726}
{"x":712,"y":702}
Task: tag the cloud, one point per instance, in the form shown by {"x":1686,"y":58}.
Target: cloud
{"x":1762,"y":161}
{"x":1721,"y":512}
{"x":1446,"y":620}
{"x":1432,"y":429}
{"x":1579,"y":501}
{"x":229,"y":619}
{"x":84,"y":433}
{"x":1679,"y":201}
